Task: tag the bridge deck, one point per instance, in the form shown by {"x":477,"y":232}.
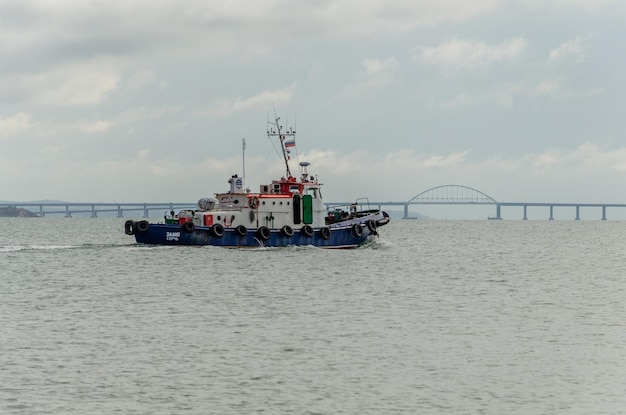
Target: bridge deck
{"x":441,"y":195}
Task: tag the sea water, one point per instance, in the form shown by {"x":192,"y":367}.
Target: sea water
{"x":433,"y":317}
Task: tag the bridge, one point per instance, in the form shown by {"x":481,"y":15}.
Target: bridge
{"x":92,"y":209}
{"x":451,"y":194}
{"x":454,"y":194}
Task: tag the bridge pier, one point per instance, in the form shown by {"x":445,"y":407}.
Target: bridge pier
{"x":94,"y":214}
{"x":406,"y":210}
{"x":145,"y":211}
{"x":498,"y":211}
{"x":525,"y":215}
{"x":120,"y":213}
{"x":577,"y":212}
{"x":67,"y":211}
{"x":551,"y":213}
{"x":603,"y":212}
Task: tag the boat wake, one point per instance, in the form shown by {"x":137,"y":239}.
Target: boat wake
{"x":42,"y":248}
{"x":376,"y":243}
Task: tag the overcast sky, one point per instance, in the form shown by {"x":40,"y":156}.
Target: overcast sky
{"x":149,"y":100}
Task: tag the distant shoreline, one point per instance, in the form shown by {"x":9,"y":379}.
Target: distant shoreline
{"x":13,"y":212}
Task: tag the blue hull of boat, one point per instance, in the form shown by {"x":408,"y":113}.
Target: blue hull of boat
{"x":166,"y":234}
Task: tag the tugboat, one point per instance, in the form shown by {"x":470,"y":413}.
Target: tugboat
{"x":286,"y":212}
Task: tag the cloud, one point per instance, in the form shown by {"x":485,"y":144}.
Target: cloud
{"x":449,"y":160}
{"x":375,"y":75}
{"x":392,"y":171}
{"x":143,"y":112}
{"x":140,"y":79}
{"x":585,"y":5}
{"x":587,"y":157}
{"x":95,"y":127}
{"x":369,"y":18}
{"x":460,"y":100}
{"x":73,"y":85}
{"x":345,"y":18}
{"x":74,"y":30}
{"x":507,"y":93}
{"x":86,"y":85}
{"x":262,"y":100}
{"x":14,"y":125}
{"x":574,"y":49}
{"x":471,"y":54}
{"x":43,"y":129}
{"x":583,"y":173}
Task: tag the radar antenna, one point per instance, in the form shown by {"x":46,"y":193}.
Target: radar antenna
{"x":289,"y":133}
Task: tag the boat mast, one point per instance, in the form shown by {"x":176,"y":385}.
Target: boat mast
{"x":243,"y":160}
{"x":282,"y":136}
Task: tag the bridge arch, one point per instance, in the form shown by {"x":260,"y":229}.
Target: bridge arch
{"x":452,"y":194}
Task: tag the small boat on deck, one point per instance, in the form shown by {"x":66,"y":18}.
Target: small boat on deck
{"x":285,"y":212}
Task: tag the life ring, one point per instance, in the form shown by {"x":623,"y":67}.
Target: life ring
{"x":241,"y":230}
{"x":287,"y":230}
{"x":142,"y":226}
{"x":307,"y":230}
{"x":357,"y":231}
{"x":371,"y":225}
{"x":217,"y":230}
{"x":128,"y":227}
{"x":263,"y":233}
{"x":325,"y":233}
{"x":189,"y":227}
{"x":254,"y":202}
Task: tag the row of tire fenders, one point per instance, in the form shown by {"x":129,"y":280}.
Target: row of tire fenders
{"x":263,"y":232}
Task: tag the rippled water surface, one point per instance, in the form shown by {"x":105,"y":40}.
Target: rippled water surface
{"x":436,"y":317}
